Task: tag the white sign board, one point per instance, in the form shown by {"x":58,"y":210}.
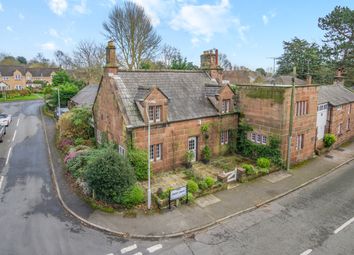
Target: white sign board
{"x":231,"y":176}
{"x":178,"y":193}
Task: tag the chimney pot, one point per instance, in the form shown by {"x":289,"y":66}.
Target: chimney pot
{"x":111,"y":66}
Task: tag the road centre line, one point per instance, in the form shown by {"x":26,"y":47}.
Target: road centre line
{"x":18,"y":121}
{"x":129,"y":248}
{"x":344,"y":226}
{"x":154,"y":248}
{"x":1,"y":180}
{"x":8,"y":156}
{"x":13,"y":138}
{"x":138,"y":253}
{"x":307,"y":252}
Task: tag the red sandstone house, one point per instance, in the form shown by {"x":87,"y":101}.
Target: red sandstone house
{"x":176,"y":103}
{"x":317,"y":110}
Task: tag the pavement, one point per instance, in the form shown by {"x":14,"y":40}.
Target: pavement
{"x":206,"y":211}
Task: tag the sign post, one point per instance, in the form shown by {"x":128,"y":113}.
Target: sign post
{"x":176,"y":194}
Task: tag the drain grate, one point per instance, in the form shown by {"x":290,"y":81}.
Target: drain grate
{"x":328,"y":156}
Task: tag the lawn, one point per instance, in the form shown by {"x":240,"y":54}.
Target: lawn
{"x":22,"y":98}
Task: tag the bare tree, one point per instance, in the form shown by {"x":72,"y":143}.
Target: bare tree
{"x":224,"y":62}
{"x":63,"y":60}
{"x":168,"y":54}
{"x":88,"y":60}
{"x":131,"y":29}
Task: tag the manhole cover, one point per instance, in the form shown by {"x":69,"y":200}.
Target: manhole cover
{"x":328,"y":156}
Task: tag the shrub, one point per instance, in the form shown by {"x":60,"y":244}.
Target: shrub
{"x":264,"y":170}
{"x":263,"y":162}
{"x":109,"y":174}
{"x":188,"y":157}
{"x":65,"y":144}
{"x":134,"y":196}
{"x":76,"y":165}
{"x":190,"y":198}
{"x":139,"y":160}
{"x":249,"y":169}
{"x":202,"y":185}
{"x":70,"y":155}
{"x":206,"y":154}
{"x":209,"y":181}
{"x":329,"y":140}
{"x":192,"y":186}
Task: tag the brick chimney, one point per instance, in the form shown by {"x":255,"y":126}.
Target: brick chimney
{"x":209,"y":62}
{"x":339,"y":78}
{"x":308,"y":79}
{"x":111,"y":66}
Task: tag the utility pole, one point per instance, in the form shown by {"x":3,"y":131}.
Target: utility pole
{"x":291,"y":119}
{"x":274,"y":58}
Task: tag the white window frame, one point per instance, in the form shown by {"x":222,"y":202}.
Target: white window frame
{"x":225,"y":106}
{"x":151,"y":113}
{"x":348,"y":124}
{"x":154,"y":113}
{"x":253,"y":137}
{"x":264,"y":139}
{"x":121,"y":150}
{"x":152,"y":155}
{"x":157,"y":113}
{"x":158,"y":151}
{"x":300,"y":142}
{"x":224,"y":137}
{"x":302,"y":108}
{"x":258,"y":138}
{"x":5,"y":78}
{"x":339,"y":129}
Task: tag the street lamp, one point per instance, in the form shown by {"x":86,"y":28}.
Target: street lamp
{"x":58,"y":102}
{"x":148,"y":157}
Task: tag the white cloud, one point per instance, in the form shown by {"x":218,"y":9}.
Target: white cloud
{"x":195,"y":41}
{"x":265,"y":19}
{"x":81,"y":8}
{"x":205,"y":20}
{"x":1,"y":8}
{"x":8,"y":28}
{"x":58,"y":6}
{"x":53,"y":32}
{"x":21,"y":16}
{"x":48,"y":46}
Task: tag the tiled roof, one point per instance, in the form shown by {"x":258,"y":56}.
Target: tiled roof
{"x":335,"y":95}
{"x":185,"y":90}
{"x":86,"y":96}
{"x":8,"y":70}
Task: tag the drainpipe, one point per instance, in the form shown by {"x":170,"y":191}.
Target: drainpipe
{"x":291,"y":119}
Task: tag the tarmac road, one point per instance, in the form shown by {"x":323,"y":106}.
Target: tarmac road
{"x":32,"y":221}
{"x":317,"y":219}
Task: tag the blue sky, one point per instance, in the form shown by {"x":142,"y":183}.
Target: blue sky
{"x":248,"y":32}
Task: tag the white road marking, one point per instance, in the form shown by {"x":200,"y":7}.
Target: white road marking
{"x":1,"y":179}
{"x":307,"y":252}
{"x":138,"y":253}
{"x":13,"y":138}
{"x":129,"y":248}
{"x":110,"y":254}
{"x":18,"y":121}
{"x":154,"y":248}
{"x":344,"y":225}
{"x":8,"y":156}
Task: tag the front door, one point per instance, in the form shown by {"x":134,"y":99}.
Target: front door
{"x":192,"y":146}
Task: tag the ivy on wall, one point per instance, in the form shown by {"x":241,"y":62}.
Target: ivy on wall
{"x":274,"y":93}
{"x":240,"y":144}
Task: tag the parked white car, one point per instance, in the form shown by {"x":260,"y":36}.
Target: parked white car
{"x":5,"y":119}
{"x":2,"y":132}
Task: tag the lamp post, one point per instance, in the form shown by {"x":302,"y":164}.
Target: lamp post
{"x":291,"y":119}
{"x":148,"y":157}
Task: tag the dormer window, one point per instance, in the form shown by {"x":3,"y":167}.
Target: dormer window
{"x":18,"y":77}
{"x":155,"y":113}
{"x":225,"y":106}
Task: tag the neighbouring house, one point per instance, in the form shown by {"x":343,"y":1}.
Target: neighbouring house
{"x":334,"y":113}
{"x":20,"y":77}
{"x":85,"y":97}
{"x":242,"y":77}
{"x":266,"y":108}
{"x":176,"y":104}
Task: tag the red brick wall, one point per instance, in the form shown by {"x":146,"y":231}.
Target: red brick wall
{"x":340,"y":115}
{"x":174,"y":137}
{"x":270,"y":116}
{"x":108,"y":117}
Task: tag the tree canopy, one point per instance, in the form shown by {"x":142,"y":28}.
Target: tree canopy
{"x":131,"y":29}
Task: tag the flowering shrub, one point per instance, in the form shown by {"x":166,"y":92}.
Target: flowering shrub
{"x":65,"y":144}
{"x":70,"y":155}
